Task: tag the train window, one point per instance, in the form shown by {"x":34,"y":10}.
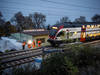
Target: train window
{"x":83,"y":26}
{"x":92,"y":26}
{"x":70,"y":33}
{"x":88,"y":26}
{"x":98,"y":26}
{"x":75,"y":33}
{"x":90,"y":35}
{"x":53,"y":32}
{"x":60,"y":34}
{"x":95,"y":26}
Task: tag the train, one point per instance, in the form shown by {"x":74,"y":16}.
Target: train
{"x":71,"y":32}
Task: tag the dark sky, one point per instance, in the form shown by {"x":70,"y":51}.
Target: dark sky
{"x":53,"y":9}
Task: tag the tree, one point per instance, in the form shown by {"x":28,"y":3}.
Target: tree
{"x":1,"y":15}
{"x":96,"y":18}
{"x":64,"y":19}
{"x":28,"y":23}
{"x":39,"y":19}
{"x":1,"y":31}
{"x":57,"y":22}
{"x":48,"y":27}
{"x":1,"y":19}
{"x":81,"y":19}
{"x":19,"y":20}
{"x":1,"y":24}
{"x":58,"y":64}
{"x":12,"y":29}
{"x":7,"y":28}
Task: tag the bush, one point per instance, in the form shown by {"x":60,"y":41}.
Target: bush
{"x":83,"y":56}
{"x":58,"y":64}
{"x":71,"y":62}
{"x":6,"y":51}
{"x":69,"y":40}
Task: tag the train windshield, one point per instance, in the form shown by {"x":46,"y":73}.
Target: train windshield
{"x":53,"y":32}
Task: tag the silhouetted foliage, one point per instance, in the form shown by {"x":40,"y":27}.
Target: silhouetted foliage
{"x":19,"y":20}
{"x":8,"y":28}
{"x":28,"y":23}
{"x":1,"y":24}
{"x":64,"y":19}
{"x":58,"y":64}
{"x":96,"y":18}
{"x":39,"y":19}
{"x":81,"y":19}
{"x":1,"y":19}
{"x":48,"y":27}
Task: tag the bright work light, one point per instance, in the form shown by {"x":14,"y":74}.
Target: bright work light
{"x":29,"y":42}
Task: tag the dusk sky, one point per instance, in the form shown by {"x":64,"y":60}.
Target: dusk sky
{"x":53,"y":9}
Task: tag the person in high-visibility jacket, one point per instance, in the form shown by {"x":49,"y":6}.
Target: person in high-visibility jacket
{"x":33,"y":43}
{"x":29,"y":45}
{"x":23,"y":45}
{"x":39,"y":43}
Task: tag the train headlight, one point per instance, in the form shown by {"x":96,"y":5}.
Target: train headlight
{"x":29,"y":42}
{"x":54,"y":28}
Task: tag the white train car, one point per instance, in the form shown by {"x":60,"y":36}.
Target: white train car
{"x":60,"y":34}
{"x":69,"y":33}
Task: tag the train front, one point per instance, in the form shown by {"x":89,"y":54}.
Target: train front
{"x":53,"y":35}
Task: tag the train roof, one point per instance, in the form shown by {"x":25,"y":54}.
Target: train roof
{"x":76,"y":24}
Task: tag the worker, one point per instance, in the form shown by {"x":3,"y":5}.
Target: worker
{"x":39,"y":43}
{"x":23,"y":45}
{"x":29,"y":45}
{"x":33,"y":43}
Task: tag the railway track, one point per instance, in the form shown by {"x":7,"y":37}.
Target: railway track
{"x":92,"y":42}
{"x":19,"y":60}
{"x":15,"y":58}
{"x":20,"y":52}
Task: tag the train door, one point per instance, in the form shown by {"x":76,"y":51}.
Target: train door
{"x":83,"y":34}
{"x":61,"y":35}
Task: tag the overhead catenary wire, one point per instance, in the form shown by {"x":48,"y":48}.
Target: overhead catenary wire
{"x":53,"y":7}
{"x":64,"y":11}
{"x":70,"y":4}
{"x":66,"y":4}
{"x":47,"y":11}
